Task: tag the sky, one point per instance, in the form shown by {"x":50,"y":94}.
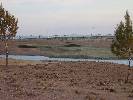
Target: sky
{"x":66,"y":17}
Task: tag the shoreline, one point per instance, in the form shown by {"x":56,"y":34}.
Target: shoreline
{"x":47,"y":59}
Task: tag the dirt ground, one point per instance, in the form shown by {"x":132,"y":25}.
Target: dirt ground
{"x":65,"y":81}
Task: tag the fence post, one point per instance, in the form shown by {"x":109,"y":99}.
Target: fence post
{"x":6,"y":47}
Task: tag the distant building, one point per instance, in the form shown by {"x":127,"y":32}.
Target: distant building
{"x":65,"y":37}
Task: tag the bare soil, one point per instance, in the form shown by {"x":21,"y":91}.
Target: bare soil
{"x":65,"y":81}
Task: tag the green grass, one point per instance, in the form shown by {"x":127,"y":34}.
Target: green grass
{"x":71,"y":50}
{"x":81,"y":50}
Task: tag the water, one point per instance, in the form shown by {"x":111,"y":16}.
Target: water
{"x":24,"y":57}
{"x":43,"y":58}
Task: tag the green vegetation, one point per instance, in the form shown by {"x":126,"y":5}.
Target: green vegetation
{"x":26,"y":46}
{"x":122,"y":45}
{"x":72,"y":45}
{"x":71,"y":51}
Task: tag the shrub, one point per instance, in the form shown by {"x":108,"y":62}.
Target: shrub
{"x":26,"y":46}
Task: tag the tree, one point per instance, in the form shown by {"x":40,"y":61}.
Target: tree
{"x":8,"y":28}
{"x":122,"y":45}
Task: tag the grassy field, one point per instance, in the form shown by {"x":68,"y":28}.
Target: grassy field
{"x":81,"y":50}
{"x":58,"y":48}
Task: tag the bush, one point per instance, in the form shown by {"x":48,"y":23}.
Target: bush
{"x":72,"y":45}
{"x":26,"y":46}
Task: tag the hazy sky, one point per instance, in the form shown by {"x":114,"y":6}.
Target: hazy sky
{"x":68,"y":16}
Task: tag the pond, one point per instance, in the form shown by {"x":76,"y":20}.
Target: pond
{"x":43,"y":58}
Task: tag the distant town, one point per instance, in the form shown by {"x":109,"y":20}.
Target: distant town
{"x":68,"y":37}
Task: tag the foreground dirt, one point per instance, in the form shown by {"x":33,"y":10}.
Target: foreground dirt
{"x":65,"y":81}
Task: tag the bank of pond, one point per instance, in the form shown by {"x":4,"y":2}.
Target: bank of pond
{"x":74,"y":59}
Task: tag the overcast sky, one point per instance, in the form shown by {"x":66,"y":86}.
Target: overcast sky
{"x":68,"y":16}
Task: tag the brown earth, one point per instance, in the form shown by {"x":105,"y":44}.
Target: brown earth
{"x":14,"y":49}
{"x":65,"y":81}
